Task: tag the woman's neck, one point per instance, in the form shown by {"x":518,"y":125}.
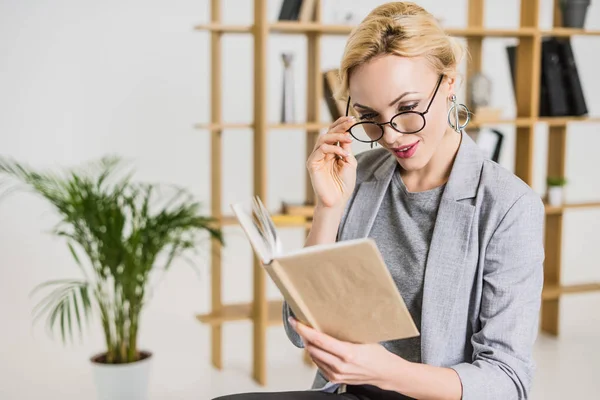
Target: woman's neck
{"x":437,"y":171}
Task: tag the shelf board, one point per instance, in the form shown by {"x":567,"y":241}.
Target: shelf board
{"x":292,"y":27}
{"x":219,"y":127}
{"x":279,"y":220}
{"x":561,"y":121}
{"x":567,"y":32}
{"x":298,"y":27}
{"x":517,"y":122}
{"x":241,"y":312}
{"x":311,"y":126}
{"x":487,"y":32}
{"x":222,"y":28}
{"x":553,"y":210}
{"x":309,"y":27}
{"x":553,"y":292}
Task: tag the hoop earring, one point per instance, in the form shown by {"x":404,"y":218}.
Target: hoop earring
{"x":457,"y":126}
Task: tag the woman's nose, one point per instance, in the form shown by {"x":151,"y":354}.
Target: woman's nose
{"x":390,"y":135}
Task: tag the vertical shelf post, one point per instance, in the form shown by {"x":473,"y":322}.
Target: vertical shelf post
{"x":557,"y":140}
{"x":475,"y":44}
{"x":216,"y":179}
{"x":314,"y":96}
{"x":527,"y":95}
{"x":259,"y":309}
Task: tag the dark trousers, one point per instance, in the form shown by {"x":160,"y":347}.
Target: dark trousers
{"x":363,"y":392}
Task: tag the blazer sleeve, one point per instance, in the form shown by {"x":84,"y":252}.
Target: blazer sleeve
{"x":503,"y":366}
{"x":291,"y":333}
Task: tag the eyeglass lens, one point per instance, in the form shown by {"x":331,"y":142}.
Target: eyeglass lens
{"x":408,"y":122}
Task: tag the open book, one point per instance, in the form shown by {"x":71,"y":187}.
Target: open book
{"x":343,"y":289}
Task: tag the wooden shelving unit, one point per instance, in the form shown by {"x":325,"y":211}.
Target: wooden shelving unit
{"x":263,"y":313}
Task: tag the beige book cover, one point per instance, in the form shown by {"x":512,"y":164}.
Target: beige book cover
{"x":343,"y":289}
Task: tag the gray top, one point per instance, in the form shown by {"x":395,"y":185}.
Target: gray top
{"x":402,"y":231}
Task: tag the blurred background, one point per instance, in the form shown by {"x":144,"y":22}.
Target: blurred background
{"x":80,"y":80}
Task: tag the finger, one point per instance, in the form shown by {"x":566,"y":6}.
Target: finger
{"x":335,"y":376}
{"x":316,"y":353}
{"x":329,"y":149}
{"x":343,"y":127}
{"x":340,"y":121}
{"x":323,"y":341}
{"x":333,"y":138}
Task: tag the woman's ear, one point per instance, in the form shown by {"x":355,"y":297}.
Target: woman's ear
{"x":451,"y":82}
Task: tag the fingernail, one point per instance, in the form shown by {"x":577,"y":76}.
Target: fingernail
{"x":291,"y":321}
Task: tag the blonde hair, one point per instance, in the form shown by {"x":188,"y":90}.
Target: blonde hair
{"x":404,"y":29}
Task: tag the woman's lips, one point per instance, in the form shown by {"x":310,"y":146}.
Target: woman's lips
{"x":409,"y":152}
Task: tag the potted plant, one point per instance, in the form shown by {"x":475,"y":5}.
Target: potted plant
{"x":119,"y":233}
{"x":556,"y":190}
{"x":574,"y":12}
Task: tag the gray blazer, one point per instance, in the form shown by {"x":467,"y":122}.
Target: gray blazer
{"x":484,"y":271}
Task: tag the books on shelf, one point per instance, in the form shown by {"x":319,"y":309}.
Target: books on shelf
{"x":297,"y":10}
{"x":561,"y":92}
{"x":343,"y":289}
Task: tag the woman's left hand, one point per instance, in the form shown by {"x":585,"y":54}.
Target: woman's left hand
{"x":344,"y":362}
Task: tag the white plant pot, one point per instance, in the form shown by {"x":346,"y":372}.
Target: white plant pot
{"x":555,"y":195}
{"x":122,"y":381}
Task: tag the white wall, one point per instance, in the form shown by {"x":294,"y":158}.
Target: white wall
{"x":81,"y":79}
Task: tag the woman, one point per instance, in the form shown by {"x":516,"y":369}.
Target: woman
{"x":461,"y":236}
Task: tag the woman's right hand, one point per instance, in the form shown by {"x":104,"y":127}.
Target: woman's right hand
{"x":332,"y":168}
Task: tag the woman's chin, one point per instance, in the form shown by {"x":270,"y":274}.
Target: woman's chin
{"x":411,"y":164}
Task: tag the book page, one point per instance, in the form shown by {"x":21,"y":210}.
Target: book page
{"x":258,"y":227}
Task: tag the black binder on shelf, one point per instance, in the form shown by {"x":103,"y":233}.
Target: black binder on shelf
{"x":290,"y":10}
{"x":575,"y":97}
{"x":552,"y":78}
{"x":511,"y":52}
{"x":561,"y":93}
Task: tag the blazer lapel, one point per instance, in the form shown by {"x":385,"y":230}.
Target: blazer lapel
{"x":448,"y":250}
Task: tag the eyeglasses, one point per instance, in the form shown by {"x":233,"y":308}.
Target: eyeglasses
{"x":408,"y":122}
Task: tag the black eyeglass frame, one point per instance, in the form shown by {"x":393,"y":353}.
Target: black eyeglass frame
{"x":382,"y":124}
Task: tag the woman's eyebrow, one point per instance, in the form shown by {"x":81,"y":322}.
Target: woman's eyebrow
{"x":400,"y":98}
{"x":358,"y":105}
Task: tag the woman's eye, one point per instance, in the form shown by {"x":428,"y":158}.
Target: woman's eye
{"x":408,"y":107}
{"x":368,"y":116}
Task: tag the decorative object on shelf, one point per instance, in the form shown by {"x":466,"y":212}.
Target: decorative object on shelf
{"x":480,"y":90}
{"x":290,"y":10}
{"x":574,"y":12}
{"x":556,"y":190}
{"x":121,"y":234}
{"x":288,"y":114}
{"x":343,"y":12}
